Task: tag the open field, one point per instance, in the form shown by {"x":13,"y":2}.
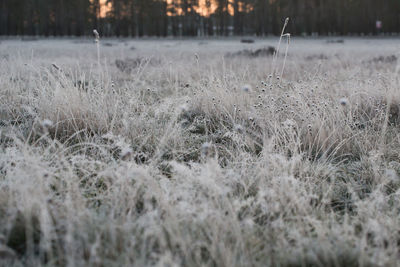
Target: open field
{"x":188,"y":153}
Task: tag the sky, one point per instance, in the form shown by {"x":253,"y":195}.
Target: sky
{"x":104,"y":8}
{"x":201,"y":9}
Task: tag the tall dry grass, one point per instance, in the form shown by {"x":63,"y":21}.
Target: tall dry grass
{"x":198,"y":159}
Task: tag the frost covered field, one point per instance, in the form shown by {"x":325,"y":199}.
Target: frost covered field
{"x":187,"y":153}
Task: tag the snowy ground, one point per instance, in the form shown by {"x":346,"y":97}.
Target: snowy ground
{"x":200,"y":152}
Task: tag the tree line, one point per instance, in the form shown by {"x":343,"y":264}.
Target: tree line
{"x":197,"y":17}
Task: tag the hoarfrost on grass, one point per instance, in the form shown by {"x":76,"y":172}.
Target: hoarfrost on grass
{"x":194,"y":158}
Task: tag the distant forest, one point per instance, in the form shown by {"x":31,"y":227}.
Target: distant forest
{"x":138,"y":18}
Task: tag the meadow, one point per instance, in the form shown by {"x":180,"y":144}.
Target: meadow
{"x":200,"y":152}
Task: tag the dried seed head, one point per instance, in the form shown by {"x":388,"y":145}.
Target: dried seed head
{"x":205,"y":149}
{"x":126,"y":153}
{"x":96,"y":35}
{"x":343,"y":101}
{"x":238,"y":128}
{"x":47,"y":124}
{"x":246,"y":88}
{"x":184,"y":108}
